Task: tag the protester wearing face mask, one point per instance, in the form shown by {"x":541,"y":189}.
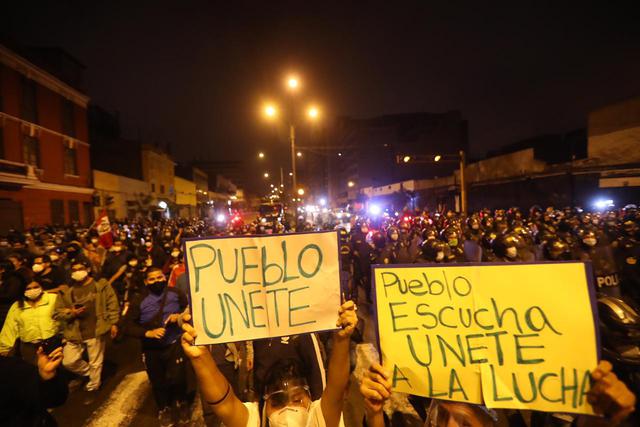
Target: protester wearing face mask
{"x":114,"y":268}
{"x":175,"y":266}
{"x":155,"y":252}
{"x":88,"y":312}
{"x":153,"y":317}
{"x":30,"y":319}
{"x":51,"y":277}
{"x":285,"y":398}
{"x":94,"y":252}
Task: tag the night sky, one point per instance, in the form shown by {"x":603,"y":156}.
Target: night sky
{"x":194,"y":73}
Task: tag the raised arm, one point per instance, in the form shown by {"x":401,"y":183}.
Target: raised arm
{"x":215,"y":388}
{"x":338,"y":377}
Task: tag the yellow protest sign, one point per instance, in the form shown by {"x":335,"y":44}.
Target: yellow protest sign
{"x":505,"y":335}
{"x":245,"y":288}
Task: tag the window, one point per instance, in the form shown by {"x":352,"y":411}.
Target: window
{"x":70,"y":158}
{"x":74,"y":211}
{"x":161,"y":188}
{"x":57,"y":212}
{"x":68,"y":122}
{"x":153,"y":187}
{"x":29,"y":106}
{"x":31,"y":150}
{"x":87,"y":207}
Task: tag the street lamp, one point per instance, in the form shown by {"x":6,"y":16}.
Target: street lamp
{"x":293,"y":82}
{"x":437,"y":158}
{"x":270,"y":111}
{"x":266,"y":175}
{"x":313,"y":113}
{"x":300,"y":192}
{"x":299,"y":154}
{"x":406,"y":159}
{"x":261,"y":155}
{"x":351,"y":184}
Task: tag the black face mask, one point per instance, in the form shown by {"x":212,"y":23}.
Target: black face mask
{"x":157,"y":287}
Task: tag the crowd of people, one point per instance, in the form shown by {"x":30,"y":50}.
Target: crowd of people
{"x":66,"y":292}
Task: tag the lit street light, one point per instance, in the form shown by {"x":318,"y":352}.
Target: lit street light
{"x":300,"y":192}
{"x":266,"y":175}
{"x":351,"y":184}
{"x":293,"y":83}
{"x":437,"y":158}
{"x":313,"y":113}
{"x":299,"y":154}
{"x":270,"y":111}
{"x":261,"y":155}
{"x":406,"y":159}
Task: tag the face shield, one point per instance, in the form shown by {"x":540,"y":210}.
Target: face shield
{"x":286,"y":404}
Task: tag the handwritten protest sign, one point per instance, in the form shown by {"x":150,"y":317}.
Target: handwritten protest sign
{"x":246,"y":288}
{"x":509,"y":336}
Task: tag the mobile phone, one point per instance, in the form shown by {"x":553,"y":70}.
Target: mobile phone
{"x":51,"y":343}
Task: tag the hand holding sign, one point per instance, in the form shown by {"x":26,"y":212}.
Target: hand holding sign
{"x":347,"y":319}
{"x":610,"y":396}
{"x":375,"y":388}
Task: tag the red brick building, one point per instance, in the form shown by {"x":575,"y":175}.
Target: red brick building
{"x":45,"y":172}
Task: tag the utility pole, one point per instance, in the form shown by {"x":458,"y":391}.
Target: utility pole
{"x":463,"y":189}
{"x":292,"y":137}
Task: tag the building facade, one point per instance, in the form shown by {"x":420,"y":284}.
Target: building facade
{"x":122,"y":197}
{"x":186,"y":200}
{"x":365,"y":151}
{"x":45,"y":171}
{"x":158,"y":171}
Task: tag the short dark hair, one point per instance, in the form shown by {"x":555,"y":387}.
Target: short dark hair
{"x":152,"y":270}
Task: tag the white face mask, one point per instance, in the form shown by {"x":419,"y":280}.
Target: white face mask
{"x":79,"y":275}
{"x":511,"y":252}
{"x":290,"y":416}
{"x":33,"y":294}
{"x":440,"y":256}
{"x":590,"y":241}
{"x":175,"y":254}
{"x":37,"y":268}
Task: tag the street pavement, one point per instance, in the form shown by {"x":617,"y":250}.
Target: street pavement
{"x":125,"y":397}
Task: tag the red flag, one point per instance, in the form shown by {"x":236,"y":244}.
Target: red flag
{"x":104,"y":230}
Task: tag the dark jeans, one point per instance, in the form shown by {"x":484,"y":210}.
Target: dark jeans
{"x":169,"y":385}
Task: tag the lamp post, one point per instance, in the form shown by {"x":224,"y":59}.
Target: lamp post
{"x":313,"y":113}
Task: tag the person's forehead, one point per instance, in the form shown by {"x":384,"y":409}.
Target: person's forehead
{"x":155,"y":274}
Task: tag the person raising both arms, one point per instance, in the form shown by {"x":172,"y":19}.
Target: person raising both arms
{"x":286,"y":400}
